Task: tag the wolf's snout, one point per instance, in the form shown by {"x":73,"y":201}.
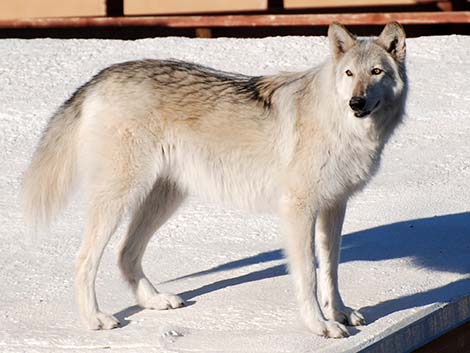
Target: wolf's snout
{"x":357,"y":103}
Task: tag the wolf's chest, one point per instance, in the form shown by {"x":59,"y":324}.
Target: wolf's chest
{"x":347,"y":167}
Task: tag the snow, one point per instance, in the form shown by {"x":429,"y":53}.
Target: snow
{"x":406,"y":249}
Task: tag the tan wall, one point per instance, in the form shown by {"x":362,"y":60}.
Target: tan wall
{"x":13,"y":9}
{"x":142,"y":7}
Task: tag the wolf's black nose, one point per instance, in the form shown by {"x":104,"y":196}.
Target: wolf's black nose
{"x":357,"y":103}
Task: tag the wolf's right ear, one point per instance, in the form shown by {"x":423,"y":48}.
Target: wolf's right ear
{"x":341,"y":40}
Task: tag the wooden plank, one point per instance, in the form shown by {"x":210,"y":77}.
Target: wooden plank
{"x":203,"y":33}
{"x":406,"y":18}
{"x":299,"y":4}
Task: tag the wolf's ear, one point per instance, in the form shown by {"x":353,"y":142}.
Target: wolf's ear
{"x":341,"y":40}
{"x":392,"y":39}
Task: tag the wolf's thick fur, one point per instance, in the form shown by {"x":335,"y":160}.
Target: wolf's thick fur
{"x":142,"y":135}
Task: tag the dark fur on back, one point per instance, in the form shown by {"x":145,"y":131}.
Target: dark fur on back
{"x":191,"y":78}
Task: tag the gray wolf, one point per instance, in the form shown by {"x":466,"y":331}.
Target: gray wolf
{"x":140,"y":136}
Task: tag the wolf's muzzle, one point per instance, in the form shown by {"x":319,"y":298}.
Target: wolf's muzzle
{"x":357,"y":103}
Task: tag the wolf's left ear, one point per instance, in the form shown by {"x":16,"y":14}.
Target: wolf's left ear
{"x":341,"y":40}
{"x":392,"y":39}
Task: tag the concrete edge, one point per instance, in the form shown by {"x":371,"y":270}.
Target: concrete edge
{"x":419,"y":329}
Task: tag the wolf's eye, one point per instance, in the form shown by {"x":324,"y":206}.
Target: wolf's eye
{"x":376,"y":71}
{"x":349,"y":73}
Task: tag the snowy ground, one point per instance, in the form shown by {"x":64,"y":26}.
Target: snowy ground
{"x":407,"y":236}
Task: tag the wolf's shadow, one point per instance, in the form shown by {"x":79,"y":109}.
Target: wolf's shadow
{"x":440,"y":243}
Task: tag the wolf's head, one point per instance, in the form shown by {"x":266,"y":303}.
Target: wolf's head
{"x":370,"y":74}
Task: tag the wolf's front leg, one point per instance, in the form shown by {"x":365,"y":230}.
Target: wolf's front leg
{"x":298,"y":222}
{"x":328,"y":234}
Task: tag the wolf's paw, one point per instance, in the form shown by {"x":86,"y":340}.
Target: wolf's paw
{"x":101,"y":321}
{"x":162,"y":301}
{"x":328,"y":329}
{"x":355,"y":318}
{"x":346,"y":316}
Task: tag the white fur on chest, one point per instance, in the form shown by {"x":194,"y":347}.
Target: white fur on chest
{"x":349,"y":160}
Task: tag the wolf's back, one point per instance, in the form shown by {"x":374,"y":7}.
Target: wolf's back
{"x":52,"y":170}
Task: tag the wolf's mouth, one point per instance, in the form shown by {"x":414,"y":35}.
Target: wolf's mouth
{"x":361,"y":114}
{"x":364,"y":113}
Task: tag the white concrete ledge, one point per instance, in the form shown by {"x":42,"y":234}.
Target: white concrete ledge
{"x":418,"y":329}
{"x":405,"y":256}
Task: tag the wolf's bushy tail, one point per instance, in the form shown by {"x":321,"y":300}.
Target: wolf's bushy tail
{"x":53,"y":168}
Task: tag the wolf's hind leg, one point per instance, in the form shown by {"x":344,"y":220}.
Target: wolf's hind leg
{"x":157,"y":208}
{"x":101,"y":224}
{"x":328,"y":233}
{"x":108,"y":202}
{"x":119,"y":171}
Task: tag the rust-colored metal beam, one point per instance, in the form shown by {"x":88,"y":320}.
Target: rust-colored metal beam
{"x":407,"y":18}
